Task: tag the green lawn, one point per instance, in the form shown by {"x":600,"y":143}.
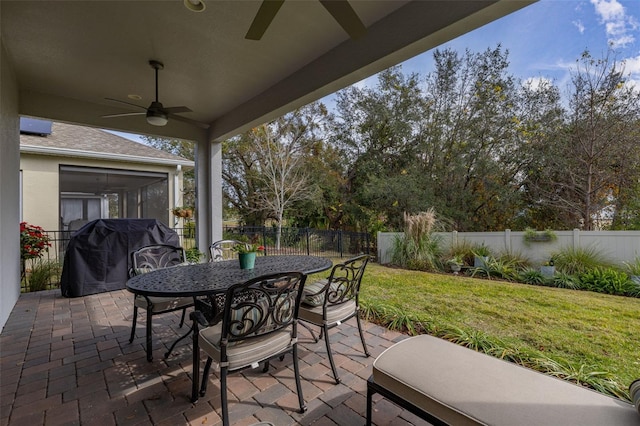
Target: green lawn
{"x":598,"y":331}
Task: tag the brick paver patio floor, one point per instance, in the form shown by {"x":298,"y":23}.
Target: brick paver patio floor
{"x":69,"y":361}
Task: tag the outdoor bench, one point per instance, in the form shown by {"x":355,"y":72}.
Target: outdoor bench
{"x":445,"y":383}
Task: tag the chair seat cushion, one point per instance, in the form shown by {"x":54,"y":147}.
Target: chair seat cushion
{"x":463,"y":387}
{"x":335,"y":313}
{"x":161,"y":304}
{"x":244,"y":353}
{"x":309,"y":296}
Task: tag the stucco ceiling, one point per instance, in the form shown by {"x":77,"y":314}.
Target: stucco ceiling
{"x":69,"y":56}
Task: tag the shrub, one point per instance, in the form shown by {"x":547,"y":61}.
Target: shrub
{"x":564,"y":280}
{"x":193,"y":255}
{"x":532,"y":276}
{"x":419,"y":248}
{"x":497,"y":268}
{"x":463,"y":249}
{"x":423,"y":255}
{"x":44,"y":273}
{"x":34,"y":242}
{"x":607,"y":280}
{"x":481,"y":251}
{"x":579,"y":260}
{"x":633,"y":268}
{"x":518,"y":260}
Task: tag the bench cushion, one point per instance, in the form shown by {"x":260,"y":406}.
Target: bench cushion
{"x":465,"y":387}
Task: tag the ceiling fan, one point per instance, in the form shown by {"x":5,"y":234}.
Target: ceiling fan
{"x":157,"y":114}
{"x":341,"y":11}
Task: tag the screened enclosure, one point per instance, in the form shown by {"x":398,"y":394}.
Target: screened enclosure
{"x":90,"y":193}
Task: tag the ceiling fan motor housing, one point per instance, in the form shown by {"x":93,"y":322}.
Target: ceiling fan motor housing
{"x":156,"y":116}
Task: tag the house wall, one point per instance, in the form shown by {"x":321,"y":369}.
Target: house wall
{"x":41,"y":191}
{"x":9,"y":184}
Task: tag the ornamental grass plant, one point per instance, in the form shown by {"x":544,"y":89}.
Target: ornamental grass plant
{"x":419,"y":248}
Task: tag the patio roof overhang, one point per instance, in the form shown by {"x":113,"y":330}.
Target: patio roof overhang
{"x":68,"y":56}
{"x":60,"y":60}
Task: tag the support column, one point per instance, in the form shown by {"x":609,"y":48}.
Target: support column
{"x":208,"y":193}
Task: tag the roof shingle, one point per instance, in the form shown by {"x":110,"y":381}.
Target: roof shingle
{"x":87,"y":139}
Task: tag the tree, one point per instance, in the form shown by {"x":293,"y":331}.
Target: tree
{"x":281,"y":174}
{"x":265,"y":169}
{"x":595,"y":158}
{"x":184,"y":149}
{"x":240,"y":181}
{"x":376,"y":132}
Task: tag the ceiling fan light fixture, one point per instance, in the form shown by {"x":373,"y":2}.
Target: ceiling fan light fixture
{"x":195,"y":5}
{"x":157,"y":118}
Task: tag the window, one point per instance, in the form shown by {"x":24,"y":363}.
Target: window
{"x":89,"y":193}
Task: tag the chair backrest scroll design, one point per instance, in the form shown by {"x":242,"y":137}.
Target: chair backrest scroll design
{"x":150,"y":258}
{"x":344,"y":281}
{"x":261,"y":306}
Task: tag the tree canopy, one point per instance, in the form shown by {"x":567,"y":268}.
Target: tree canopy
{"x":468,"y":139}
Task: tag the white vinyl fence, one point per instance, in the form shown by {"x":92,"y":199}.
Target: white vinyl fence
{"x":617,"y":246}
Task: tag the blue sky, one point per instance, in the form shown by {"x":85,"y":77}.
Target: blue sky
{"x":545,"y":39}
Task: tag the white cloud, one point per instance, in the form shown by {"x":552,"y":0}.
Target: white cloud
{"x":632,"y":65}
{"x":618,"y":25}
{"x":609,"y":10}
{"x":579,"y":25}
{"x":536,"y":83}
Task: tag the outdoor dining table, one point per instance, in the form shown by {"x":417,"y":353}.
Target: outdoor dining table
{"x":214,"y":278}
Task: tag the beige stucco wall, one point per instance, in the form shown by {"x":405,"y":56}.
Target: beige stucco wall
{"x":9,"y":184}
{"x":41,"y":191}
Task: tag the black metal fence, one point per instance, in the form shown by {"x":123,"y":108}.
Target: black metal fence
{"x":44,"y":273}
{"x":313,"y":242}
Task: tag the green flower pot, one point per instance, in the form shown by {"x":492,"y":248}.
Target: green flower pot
{"x":247,"y":260}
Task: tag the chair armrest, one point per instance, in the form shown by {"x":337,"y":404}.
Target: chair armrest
{"x":199,"y":318}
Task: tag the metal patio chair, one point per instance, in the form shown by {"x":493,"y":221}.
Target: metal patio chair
{"x":147,"y":259}
{"x":328,"y":303}
{"x":259,"y":322}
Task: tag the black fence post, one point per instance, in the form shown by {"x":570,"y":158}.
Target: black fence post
{"x":308,"y":241}
{"x":366,"y":239}
{"x":264,"y":239}
{"x":340,"y":242}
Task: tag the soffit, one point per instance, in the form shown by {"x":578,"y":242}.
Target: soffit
{"x":69,"y":56}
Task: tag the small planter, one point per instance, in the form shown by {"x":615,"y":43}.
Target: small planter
{"x":547,"y":271}
{"x":480,"y":261}
{"x":247,"y":260}
{"x":455,"y":268}
{"x":182,"y":212}
{"x":539,"y":238}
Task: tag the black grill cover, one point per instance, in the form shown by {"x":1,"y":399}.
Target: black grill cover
{"x":98,"y":257}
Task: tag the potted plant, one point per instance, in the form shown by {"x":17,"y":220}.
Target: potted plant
{"x":456,"y":263}
{"x":247,"y":254}
{"x":480,"y":256}
{"x":633,"y":269}
{"x":531,"y":235}
{"x":548,"y":269}
{"x":184,"y":212}
{"x":194,"y":255}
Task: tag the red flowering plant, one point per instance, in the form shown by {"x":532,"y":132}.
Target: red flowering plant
{"x":34,"y":242}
